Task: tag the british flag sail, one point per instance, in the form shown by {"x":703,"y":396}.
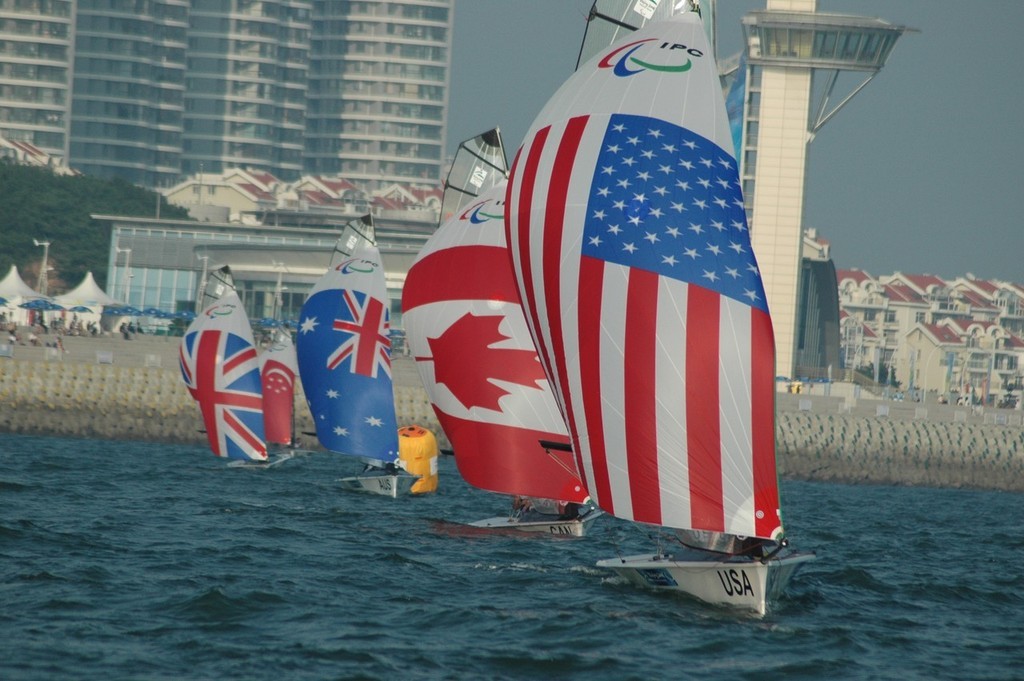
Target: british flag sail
{"x":220,"y":368}
{"x":465,"y":326}
{"x":630,"y":247}
{"x":278,"y":368}
{"x":344,"y":353}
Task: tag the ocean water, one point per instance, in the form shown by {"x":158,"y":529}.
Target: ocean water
{"x":124,"y":560}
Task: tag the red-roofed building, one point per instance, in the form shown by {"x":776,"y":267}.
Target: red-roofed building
{"x":27,"y":154}
{"x":227,"y":196}
{"x":248,"y":196}
{"x":963,"y":334}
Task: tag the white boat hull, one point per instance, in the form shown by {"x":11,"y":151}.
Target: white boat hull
{"x":736,"y":582}
{"x":384,"y":485}
{"x":274,"y":460}
{"x":566,"y":528}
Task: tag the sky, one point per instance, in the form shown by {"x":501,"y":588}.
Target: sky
{"x":918,"y":173}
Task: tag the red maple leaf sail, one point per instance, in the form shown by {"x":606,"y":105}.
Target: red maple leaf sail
{"x":466,"y":363}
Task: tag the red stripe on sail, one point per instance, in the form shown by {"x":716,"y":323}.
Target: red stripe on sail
{"x":522,"y":228}
{"x":639,"y":395}
{"x":554,"y":226}
{"x":766,"y":482}
{"x":703,"y":427}
{"x":430,"y":281}
{"x":247,"y":435}
{"x":591,"y":284}
{"x":239,"y":359}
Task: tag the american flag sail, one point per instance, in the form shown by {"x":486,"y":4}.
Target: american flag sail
{"x":220,"y":368}
{"x":344,"y":353}
{"x":630,"y":247}
{"x":465,"y":326}
{"x":278,"y":368}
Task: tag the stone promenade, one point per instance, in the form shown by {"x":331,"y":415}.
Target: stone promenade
{"x":108,"y":387}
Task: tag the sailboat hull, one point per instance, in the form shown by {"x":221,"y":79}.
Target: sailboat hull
{"x":384,"y":485}
{"x":736,"y":582}
{"x":563,"y":528}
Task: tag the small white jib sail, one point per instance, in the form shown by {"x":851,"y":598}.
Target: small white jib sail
{"x":215,"y":284}
{"x":611,"y":21}
{"x":479,"y":164}
{"x":630,"y":247}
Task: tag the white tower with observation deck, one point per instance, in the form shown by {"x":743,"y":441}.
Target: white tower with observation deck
{"x":791,"y":54}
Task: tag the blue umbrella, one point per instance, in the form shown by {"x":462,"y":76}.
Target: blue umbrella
{"x":3,"y":301}
{"x":187,"y":315}
{"x":152,"y":312}
{"x":41,"y":304}
{"x":79,"y":308}
{"x":123,"y":310}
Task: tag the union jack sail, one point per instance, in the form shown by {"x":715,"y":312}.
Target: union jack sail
{"x":220,"y":368}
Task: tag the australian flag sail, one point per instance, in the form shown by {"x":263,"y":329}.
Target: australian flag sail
{"x":344,"y":354}
{"x":630,"y":246}
{"x":219,"y":365}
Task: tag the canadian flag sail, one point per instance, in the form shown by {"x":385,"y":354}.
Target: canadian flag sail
{"x":466,"y":329}
{"x":630,"y":248}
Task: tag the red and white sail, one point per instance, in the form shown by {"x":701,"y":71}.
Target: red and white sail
{"x":465,"y":327}
{"x":278,"y":368}
{"x":631,"y":251}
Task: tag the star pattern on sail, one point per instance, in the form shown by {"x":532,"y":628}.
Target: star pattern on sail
{"x":344,"y":357}
{"x":667,"y":200}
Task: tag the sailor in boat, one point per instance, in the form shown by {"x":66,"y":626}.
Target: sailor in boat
{"x":535,"y":509}
{"x":389,"y":468}
{"x":729,"y":544}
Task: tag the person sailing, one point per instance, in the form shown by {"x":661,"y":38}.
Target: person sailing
{"x":540,"y":509}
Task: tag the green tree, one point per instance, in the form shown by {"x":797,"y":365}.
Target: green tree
{"x":37,"y":204}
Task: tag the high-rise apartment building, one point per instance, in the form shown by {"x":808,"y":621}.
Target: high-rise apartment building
{"x":168,"y":88}
{"x":129,"y":89}
{"x":245,"y":96}
{"x":36,"y":38}
{"x":378,"y":94}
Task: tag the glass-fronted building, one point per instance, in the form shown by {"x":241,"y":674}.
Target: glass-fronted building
{"x":161,"y":263}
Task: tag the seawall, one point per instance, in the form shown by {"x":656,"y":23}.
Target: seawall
{"x":139,"y":395}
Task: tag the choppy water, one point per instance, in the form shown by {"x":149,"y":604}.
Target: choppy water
{"x":124,"y":560}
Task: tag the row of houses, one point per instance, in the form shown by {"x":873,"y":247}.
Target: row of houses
{"x":962,"y":339}
{"x":251,"y":196}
